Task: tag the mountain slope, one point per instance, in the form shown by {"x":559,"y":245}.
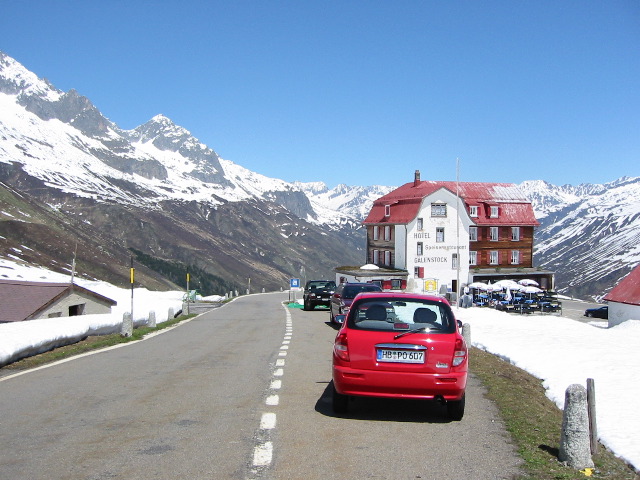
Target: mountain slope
{"x":155,"y":189}
{"x":589,"y":235}
{"x":69,"y":175}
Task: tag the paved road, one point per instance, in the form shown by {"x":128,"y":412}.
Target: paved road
{"x":574,"y":309}
{"x":238,"y":393}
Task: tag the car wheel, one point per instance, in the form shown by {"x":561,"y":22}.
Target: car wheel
{"x":305,"y":306}
{"x":455,"y":409}
{"x":590,"y":315}
{"x":339,"y":402}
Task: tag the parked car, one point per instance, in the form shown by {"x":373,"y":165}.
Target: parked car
{"x":598,"y":312}
{"x":344,"y":295}
{"x":318,"y":292}
{"x":400,"y":345}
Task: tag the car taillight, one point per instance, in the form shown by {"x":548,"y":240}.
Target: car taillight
{"x":459,"y":353}
{"x":341,"y":347}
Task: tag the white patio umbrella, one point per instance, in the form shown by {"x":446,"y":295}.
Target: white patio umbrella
{"x":478,"y":285}
{"x":528,"y":282}
{"x":531,"y":290}
{"x":510,"y":284}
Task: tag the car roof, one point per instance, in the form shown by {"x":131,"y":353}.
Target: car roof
{"x":402,"y":296}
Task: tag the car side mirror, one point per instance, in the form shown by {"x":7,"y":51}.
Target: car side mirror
{"x":340,"y":319}
{"x":459,"y":324}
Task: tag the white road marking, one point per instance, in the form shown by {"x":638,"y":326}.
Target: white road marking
{"x":276,"y":385}
{"x":268,"y":421}
{"x":263,"y":454}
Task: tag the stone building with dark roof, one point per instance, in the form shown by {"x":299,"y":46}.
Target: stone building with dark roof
{"x":22,"y":300}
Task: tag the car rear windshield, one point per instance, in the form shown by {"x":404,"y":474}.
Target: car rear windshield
{"x":350,"y":291}
{"x":397,"y":315}
{"x":316,"y":285}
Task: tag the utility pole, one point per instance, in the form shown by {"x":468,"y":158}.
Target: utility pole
{"x":132,"y":279}
{"x":73,"y":264}
{"x":188,"y":293}
{"x":458,"y":232}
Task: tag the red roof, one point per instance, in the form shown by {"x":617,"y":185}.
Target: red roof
{"x":404,"y":202}
{"x":628,"y":290}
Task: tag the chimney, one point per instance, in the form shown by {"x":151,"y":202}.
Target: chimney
{"x":416,"y":180}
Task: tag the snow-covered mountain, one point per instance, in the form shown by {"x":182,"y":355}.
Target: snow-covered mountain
{"x":154,"y":189}
{"x":86,"y":154}
{"x":589,"y":234}
{"x":80,"y":171}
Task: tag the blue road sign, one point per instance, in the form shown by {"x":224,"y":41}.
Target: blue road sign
{"x":295,"y":283}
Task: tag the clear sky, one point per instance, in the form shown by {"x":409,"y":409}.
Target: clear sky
{"x":360,"y":92}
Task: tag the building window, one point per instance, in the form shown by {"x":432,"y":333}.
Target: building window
{"x":376,"y":232}
{"x":494,"y":212}
{"x":387,"y":257}
{"x":438,"y":209}
{"x":376,"y":257}
{"x":396,"y":284}
{"x":473,"y":234}
{"x":515,"y":234}
{"x":473,"y":211}
{"x":387,"y":210}
{"x":493,"y":234}
{"x":419,"y":249}
{"x":76,"y":310}
{"x":494,"y":257}
{"x":473,"y":258}
{"x":419,"y":224}
{"x":440,"y":234}
{"x":387,"y":232}
{"x":418,"y":272}
{"x":515,"y":257}
{"x":454,"y":261}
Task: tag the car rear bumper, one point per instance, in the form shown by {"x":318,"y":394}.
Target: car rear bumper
{"x":369,"y":383}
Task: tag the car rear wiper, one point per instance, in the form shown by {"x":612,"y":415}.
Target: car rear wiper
{"x":415,"y":330}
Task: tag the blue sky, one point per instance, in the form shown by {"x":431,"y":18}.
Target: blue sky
{"x":359,"y":92}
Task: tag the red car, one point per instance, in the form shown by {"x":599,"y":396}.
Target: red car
{"x":400,"y":345}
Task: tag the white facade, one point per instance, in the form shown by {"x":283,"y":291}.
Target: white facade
{"x":434,"y":239}
{"x":620,"y":312}
{"x":75,"y":304}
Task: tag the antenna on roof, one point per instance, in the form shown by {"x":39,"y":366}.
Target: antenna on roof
{"x":73,"y":264}
{"x":458,"y":232}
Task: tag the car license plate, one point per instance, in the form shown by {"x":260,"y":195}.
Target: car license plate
{"x":400,"y":356}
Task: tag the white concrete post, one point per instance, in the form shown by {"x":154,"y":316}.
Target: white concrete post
{"x":127,"y":325}
{"x":575,"y":445}
{"x":170,"y":314}
{"x":466,"y":333}
{"x":152,"y":319}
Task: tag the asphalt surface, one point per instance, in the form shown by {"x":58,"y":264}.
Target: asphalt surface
{"x":241,"y":392}
{"x":574,"y":309}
